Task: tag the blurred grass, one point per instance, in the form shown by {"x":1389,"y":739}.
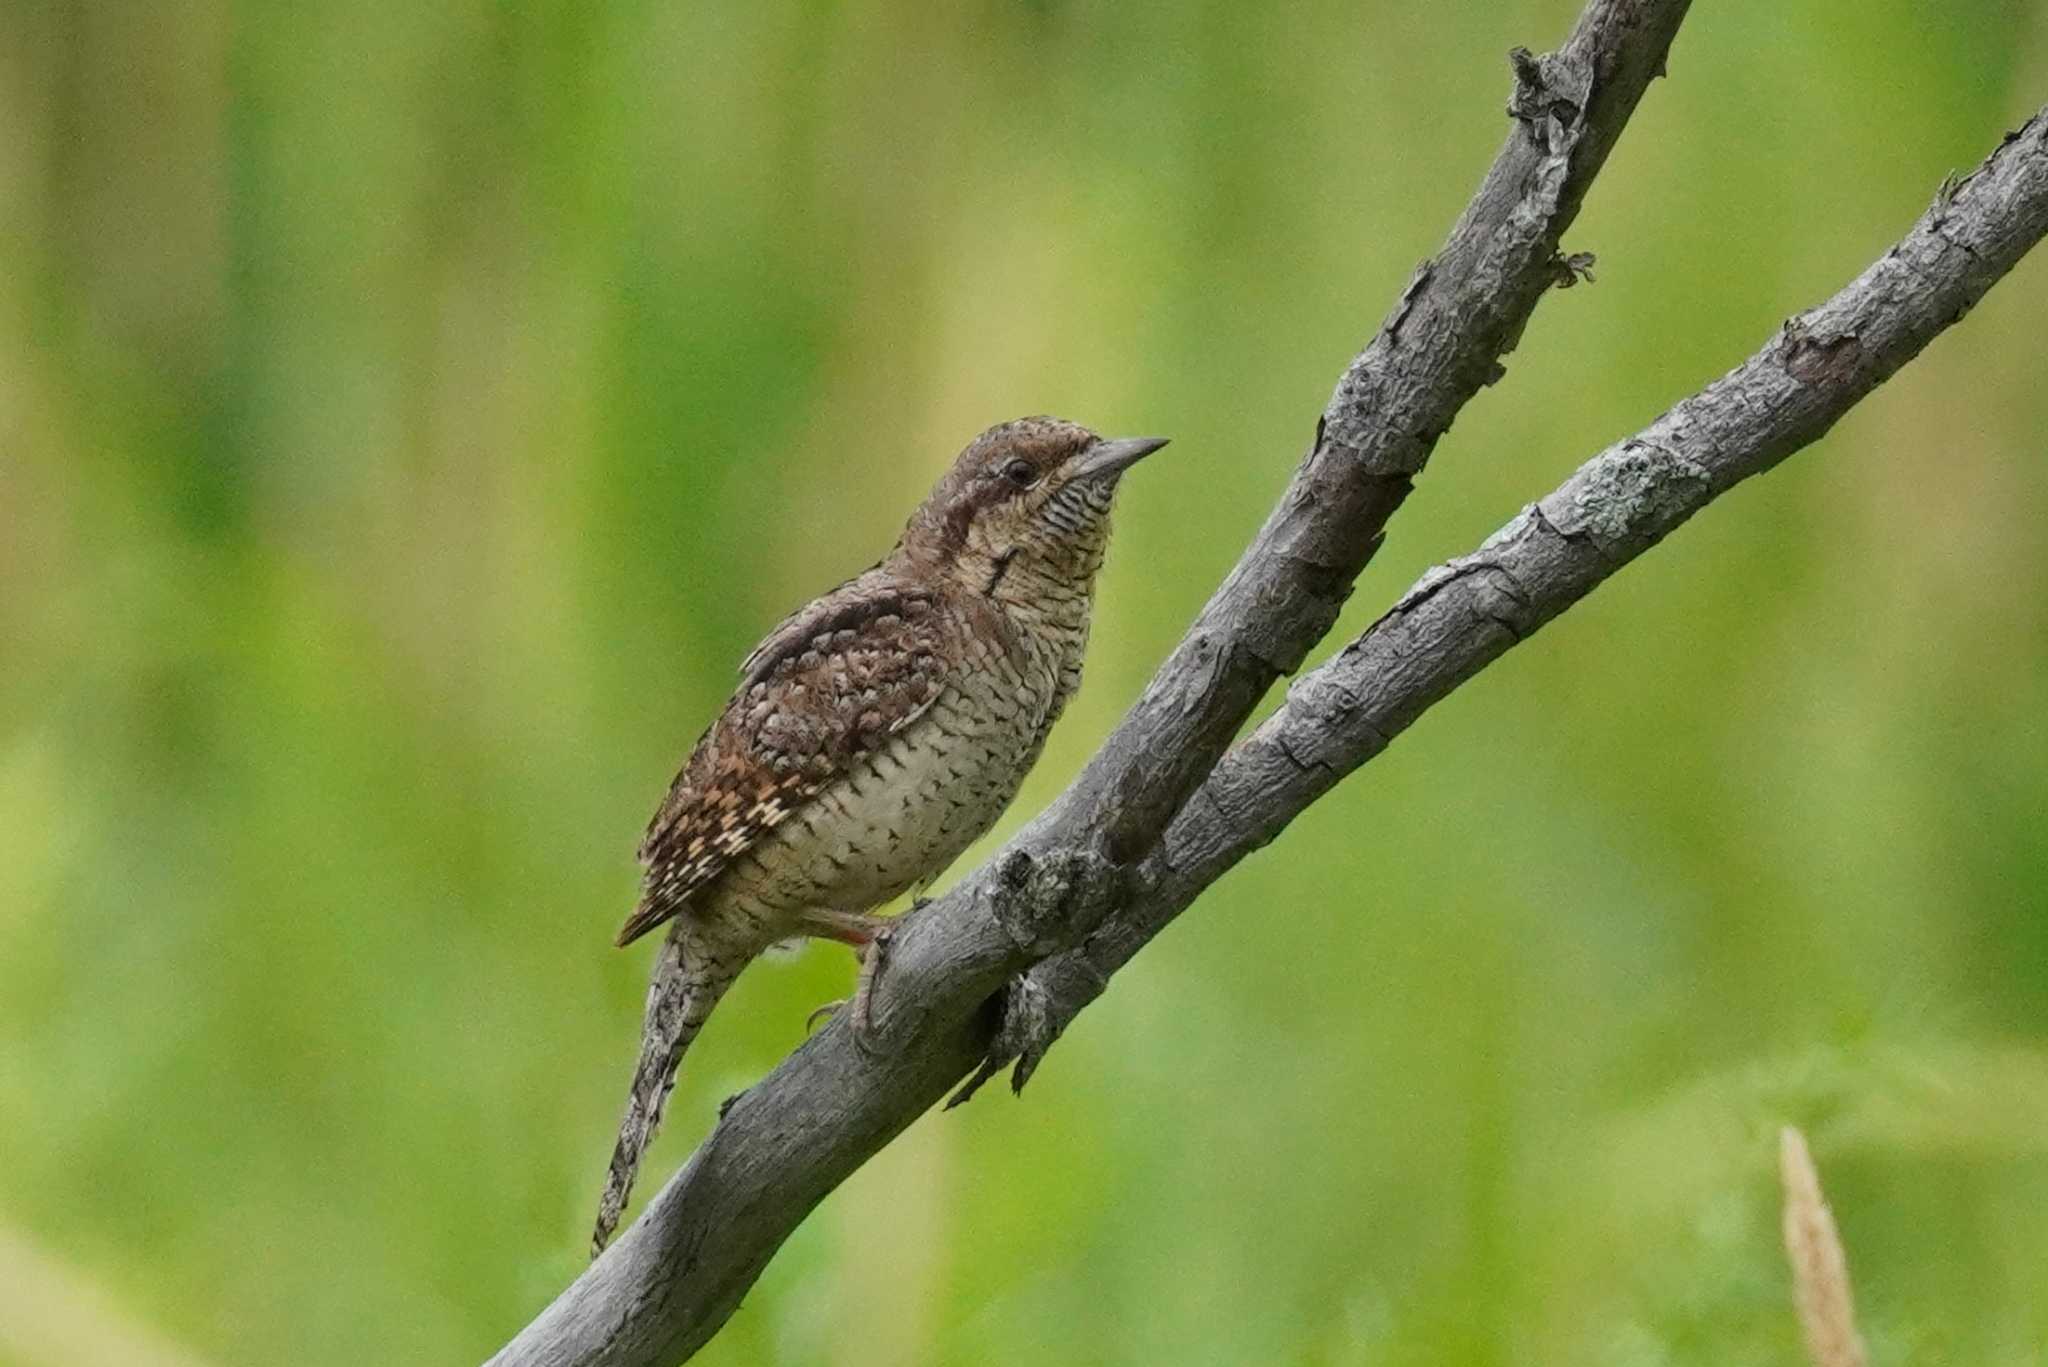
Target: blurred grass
{"x":409,"y":415}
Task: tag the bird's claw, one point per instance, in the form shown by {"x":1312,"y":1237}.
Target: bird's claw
{"x":858,"y":1008}
{"x":860,"y":1016}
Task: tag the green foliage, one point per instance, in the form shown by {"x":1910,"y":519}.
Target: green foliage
{"x":409,"y":415}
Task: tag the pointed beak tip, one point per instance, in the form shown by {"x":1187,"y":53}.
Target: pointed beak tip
{"x":1118,"y":454}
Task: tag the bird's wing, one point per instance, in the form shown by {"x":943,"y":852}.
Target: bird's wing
{"x":795,"y":631}
{"x":830,"y":686}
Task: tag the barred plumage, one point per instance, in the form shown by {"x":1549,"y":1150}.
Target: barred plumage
{"x":874,"y":735}
{"x":828,"y":688}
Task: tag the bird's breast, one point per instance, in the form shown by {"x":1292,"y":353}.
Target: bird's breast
{"x":908,"y":810}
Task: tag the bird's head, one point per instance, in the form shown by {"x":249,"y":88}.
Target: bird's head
{"x":1026,"y":500}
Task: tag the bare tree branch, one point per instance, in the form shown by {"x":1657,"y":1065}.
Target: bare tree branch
{"x":1465,"y":614}
{"x":667,"y":1285}
{"x":1462,"y":311}
{"x":1087,"y":873}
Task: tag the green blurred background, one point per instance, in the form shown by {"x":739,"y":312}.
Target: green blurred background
{"x":409,"y":415}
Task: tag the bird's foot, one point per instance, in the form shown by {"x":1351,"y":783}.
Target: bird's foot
{"x":874,"y":956}
{"x":872,"y":945}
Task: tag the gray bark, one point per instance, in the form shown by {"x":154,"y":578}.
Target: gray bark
{"x":1123,"y":851}
{"x":1463,"y":615}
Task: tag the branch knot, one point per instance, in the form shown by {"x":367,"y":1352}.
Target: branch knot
{"x":1550,"y":97}
{"x":1816,"y":358}
{"x":1047,"y":902}
{"x":1037,"y":1007}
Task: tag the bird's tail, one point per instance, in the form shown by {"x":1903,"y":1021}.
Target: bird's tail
{"x":687,"y":983}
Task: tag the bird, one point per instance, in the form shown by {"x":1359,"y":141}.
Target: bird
{"x":875,"y":734}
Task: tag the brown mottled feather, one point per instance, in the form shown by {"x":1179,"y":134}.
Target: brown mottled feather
{"x":829,"y":686}
{"x":894,"y":718}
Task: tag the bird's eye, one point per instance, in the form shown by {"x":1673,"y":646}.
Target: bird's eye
{"x":1021,"y":473}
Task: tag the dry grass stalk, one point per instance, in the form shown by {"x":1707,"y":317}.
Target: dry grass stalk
{"x":1820,"y":1272}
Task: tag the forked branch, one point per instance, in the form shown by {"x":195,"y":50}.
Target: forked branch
{"x":1467,"y":613}
{"x":1122,"y":852}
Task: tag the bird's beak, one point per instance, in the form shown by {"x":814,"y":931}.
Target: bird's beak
{"x":1114,"y":456}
